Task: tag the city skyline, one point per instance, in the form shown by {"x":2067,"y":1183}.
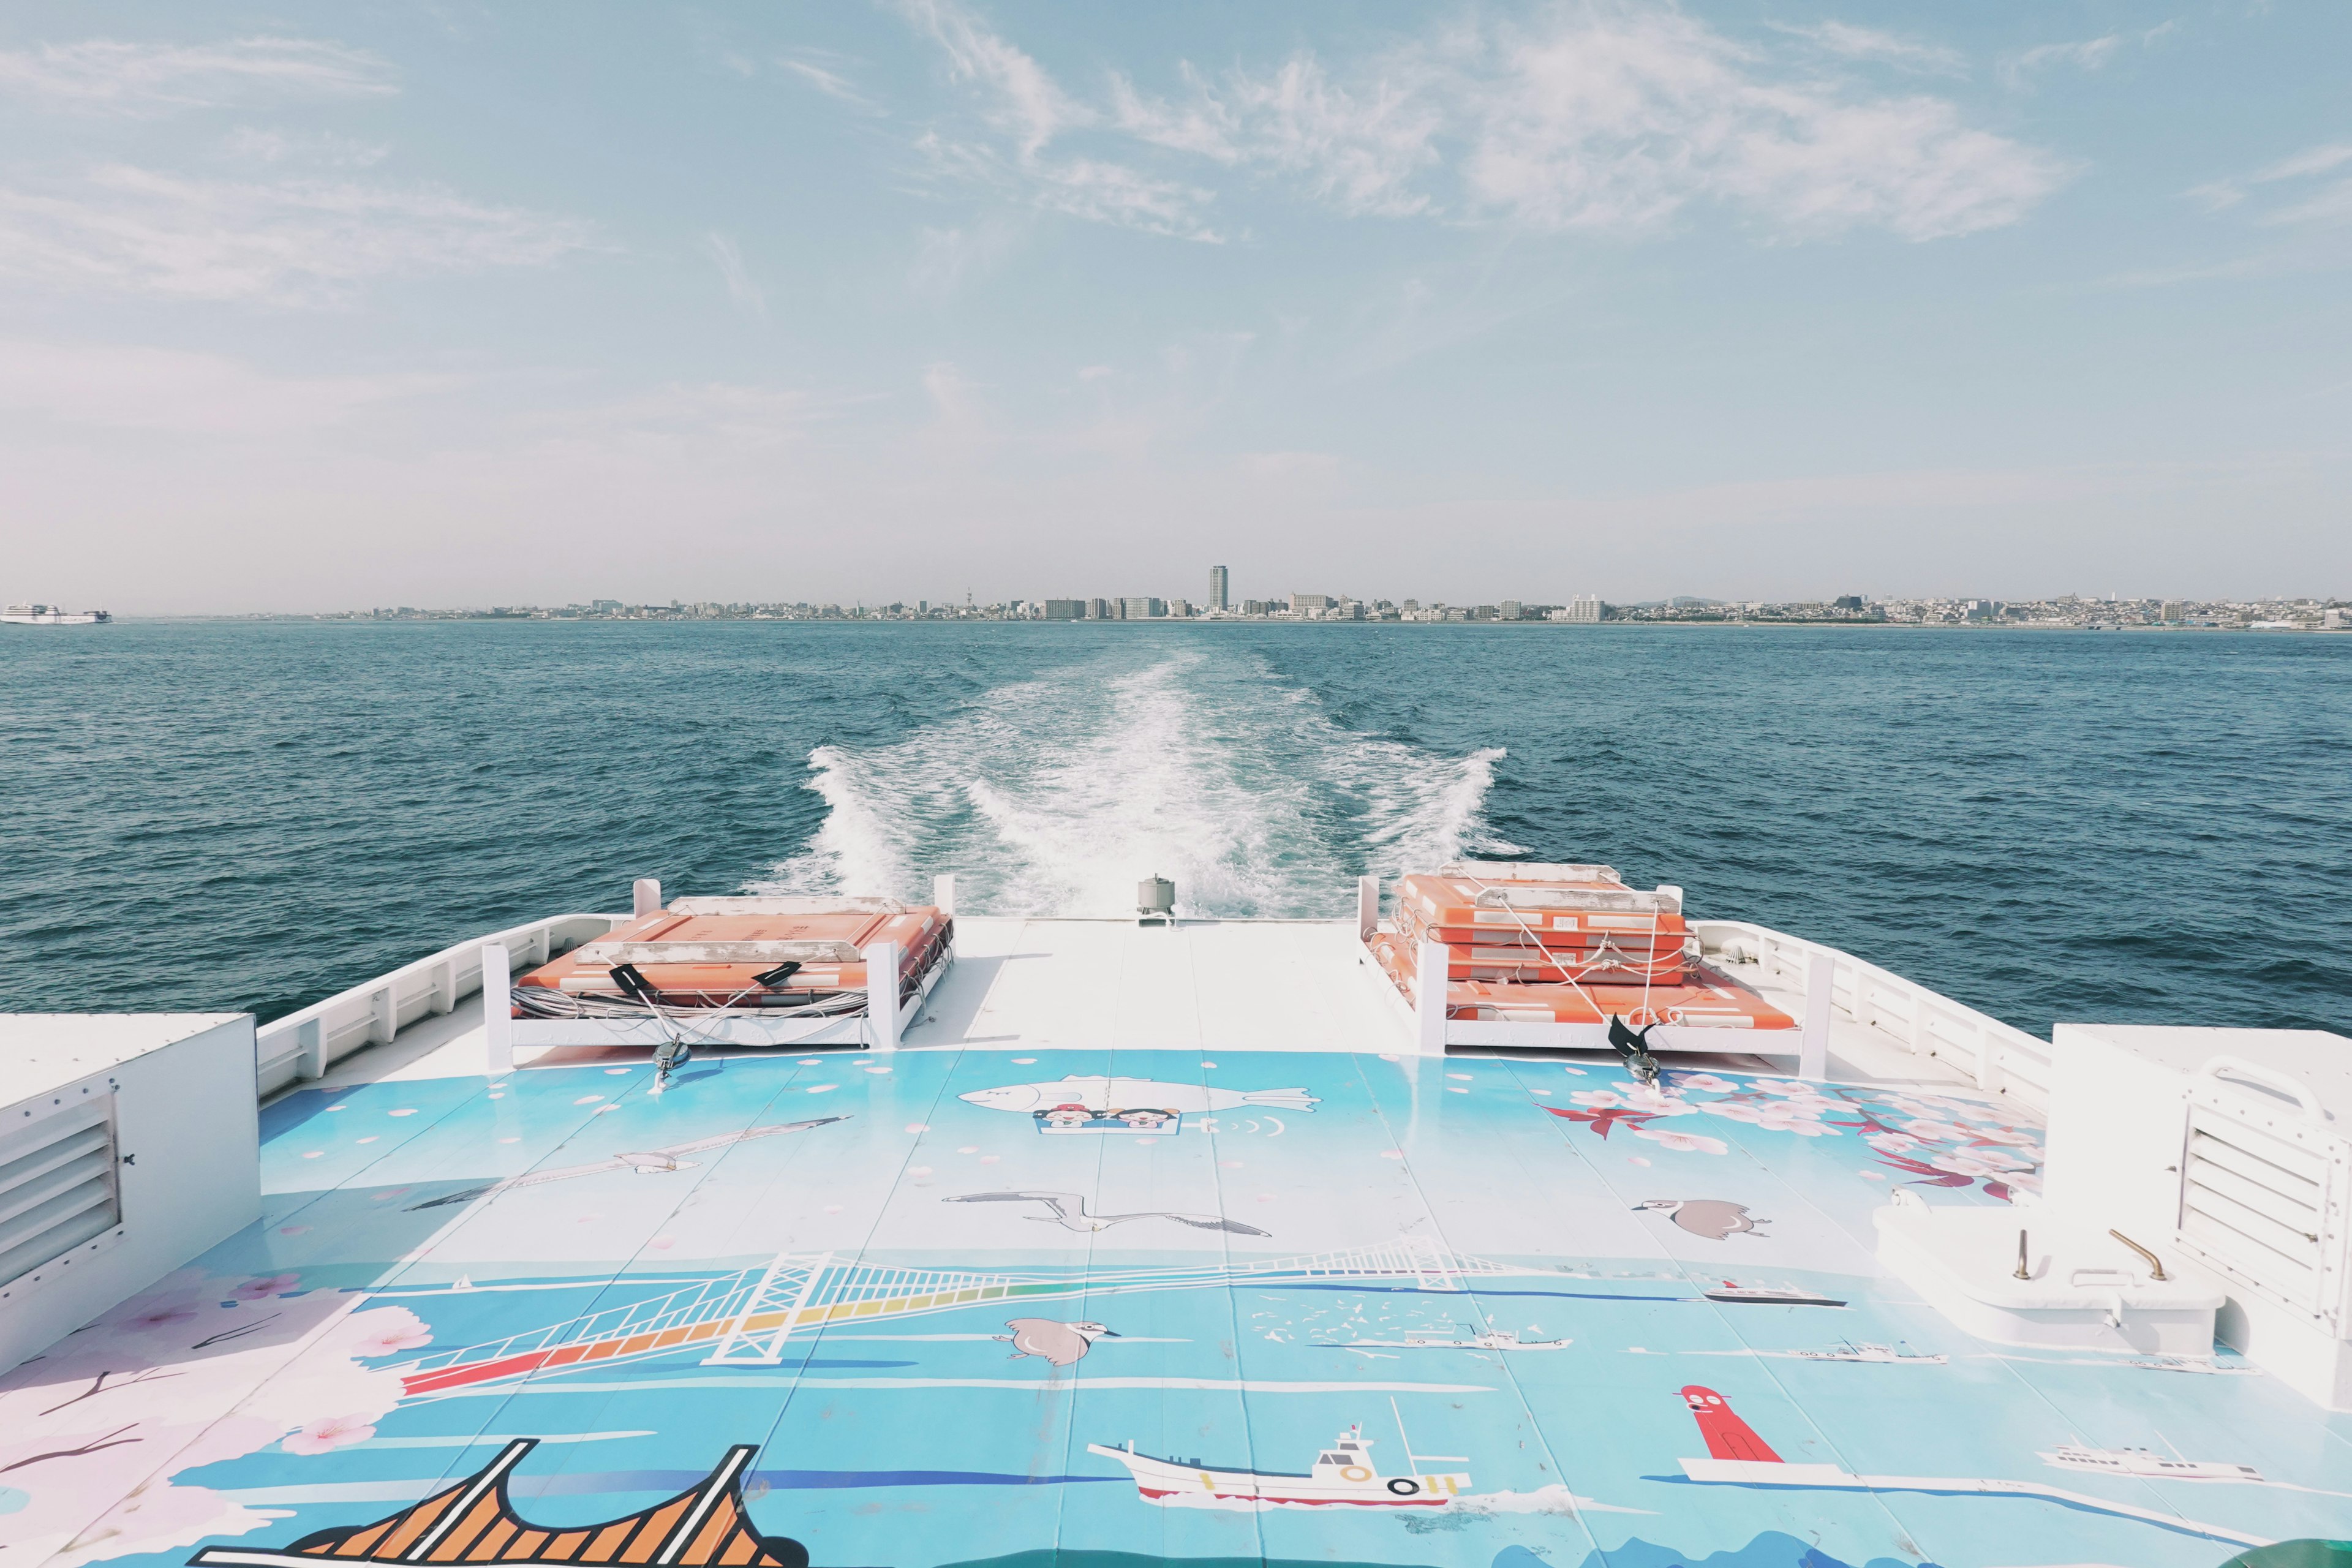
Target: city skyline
{"x":1635,"y":298}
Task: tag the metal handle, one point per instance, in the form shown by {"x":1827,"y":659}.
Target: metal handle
{"x":2295,"y":1089}
{"x":2022,"y":1272}
{"x":2155,"y":1263}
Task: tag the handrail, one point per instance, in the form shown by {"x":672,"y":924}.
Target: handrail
{"x":304,"y":1043}
{"x":2001,"y":1058}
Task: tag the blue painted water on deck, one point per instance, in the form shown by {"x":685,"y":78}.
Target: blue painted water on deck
{"x":2052,"y":826}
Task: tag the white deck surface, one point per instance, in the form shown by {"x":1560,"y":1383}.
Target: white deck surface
{"x":1221,"y":985}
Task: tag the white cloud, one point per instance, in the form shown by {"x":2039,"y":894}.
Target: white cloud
{"x":746,"y":294}
{"x":152,"y":78}
{"x":256,"y":144}
{"x":831,"y":83}
{"x":2311,"y":161}
{"x":1613,"y":121}
{"x":1601,"y":117}
{"x":2087,"y":54}
{"x":305,"y":241}
{"x":135,"y":387}
{"x":1851,"y":43}
{"x":951,"y":257}
{"x":2330,"y":203}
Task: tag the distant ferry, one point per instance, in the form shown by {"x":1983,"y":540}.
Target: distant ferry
{"x":1343,"y":1474}
{"x":51,"y":616}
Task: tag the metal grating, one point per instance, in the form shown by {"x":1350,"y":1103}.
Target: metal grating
{"x":2262,"y":1205}
{"x":57,"y":1186}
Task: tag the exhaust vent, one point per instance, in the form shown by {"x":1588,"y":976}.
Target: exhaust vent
{"x":2262,"y":1200}
{"x":57,"y":1186}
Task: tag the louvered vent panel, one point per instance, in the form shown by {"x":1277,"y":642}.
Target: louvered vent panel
{"x":57,"y":1186}
{"x":2257,"y":1204}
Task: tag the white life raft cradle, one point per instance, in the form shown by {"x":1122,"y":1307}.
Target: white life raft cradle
{"x":757,"y":971}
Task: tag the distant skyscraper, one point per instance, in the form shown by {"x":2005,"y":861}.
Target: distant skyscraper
{"x":1217,"y":589}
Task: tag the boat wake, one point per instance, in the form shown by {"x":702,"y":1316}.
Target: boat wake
{"x":1054,"y":797}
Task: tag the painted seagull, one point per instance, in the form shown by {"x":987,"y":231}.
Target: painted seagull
{"x":644,"y":1162}
{"x":1057,"y":1343}
{"x":1069,"y":1211}
{"x":1717,"y":1219}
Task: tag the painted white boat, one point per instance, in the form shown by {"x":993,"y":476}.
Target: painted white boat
{"x":2146,"y":1464}
{"x":1491,"y":1340}
{"x":1344,"y":1474}
{"x":1877,"y":1355}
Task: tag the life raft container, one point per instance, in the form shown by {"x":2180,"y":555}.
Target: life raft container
{"x":709,"y":952}
{"x":1547,"y":914}
{"x":1705,"y":999}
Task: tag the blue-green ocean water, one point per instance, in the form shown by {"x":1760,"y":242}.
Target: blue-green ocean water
{"x":2146,"y":829}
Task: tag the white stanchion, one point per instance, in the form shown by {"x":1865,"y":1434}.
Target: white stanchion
{"x":498,"y":1008}
{"x":644,"y":896}
{"x":882,"y":995}
{"x":1429,"y":996}
{"x":1813,"y":1046}
{"x":1367,"y":907}
{"x":943,"y":893}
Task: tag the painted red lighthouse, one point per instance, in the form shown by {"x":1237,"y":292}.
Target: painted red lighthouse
{"x":1728,"y":1436}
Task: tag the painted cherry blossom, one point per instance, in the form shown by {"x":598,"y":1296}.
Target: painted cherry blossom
{"x":262,"y":1290}
{"x":1781,"y":1086}
{"x":1964,"y":1163}
{"x":1596,"y":1098}
{"x":1687,"y":1142}
{"x":1939,"y":1131}
{"x":329,"y":1433}
{"x":161,"y":1317}
{"x":1803,"y":1127}
{"x":1704,"y":1080}
{"x":1735,"y":1110}
{"x":387,"y":1334}
{"x":1891,"y":1142}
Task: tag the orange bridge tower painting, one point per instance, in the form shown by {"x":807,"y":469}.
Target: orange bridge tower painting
{"x":472,"y":1522}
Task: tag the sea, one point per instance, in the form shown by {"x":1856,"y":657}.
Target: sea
{"x":2142,"y":828}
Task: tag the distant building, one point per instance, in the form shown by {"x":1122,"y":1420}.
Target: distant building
{"x":1257,"y":607}
{"x":607,"y":606}
{"x":1310,"y":601}
{"x":1098,"y":609}
{"x":1143,"y":609}
{"x":1217,"y":585}
{"x":1983,"y":610}
{"x":1850,"y":602}
{"x":2336,"y":620}
{"x":2173,"y":610}
{"x":1508,"y":610}
{"x":1584,"y":607}
{"x":1066,"y":610}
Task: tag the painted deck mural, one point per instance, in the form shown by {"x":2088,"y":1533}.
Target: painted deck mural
{"x":856,"y":1312}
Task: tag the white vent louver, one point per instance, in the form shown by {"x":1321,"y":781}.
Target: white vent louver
{"x":57,"y":1186}
{"x":2263,"y":1198}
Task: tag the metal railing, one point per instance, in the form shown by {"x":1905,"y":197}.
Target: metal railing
{"x":1999,"y":1057}
{"x":304,"y":1043}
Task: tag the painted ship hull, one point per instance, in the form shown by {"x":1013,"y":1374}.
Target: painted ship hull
{"x":1165,"y":1480}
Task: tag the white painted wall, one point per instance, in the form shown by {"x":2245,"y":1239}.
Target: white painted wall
{"x":187,"y":1128}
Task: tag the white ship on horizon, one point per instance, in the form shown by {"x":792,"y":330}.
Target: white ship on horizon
{"x":51,"y":616}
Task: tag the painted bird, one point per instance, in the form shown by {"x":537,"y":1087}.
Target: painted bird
{"x":1069,"y":1211}
{"x":1714,"y":1218}
{"x":1058,"y":1343}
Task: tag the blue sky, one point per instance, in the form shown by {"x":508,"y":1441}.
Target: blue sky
{"x":371,"y":304}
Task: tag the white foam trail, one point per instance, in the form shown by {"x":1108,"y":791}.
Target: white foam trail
{"x":1057,"y":796}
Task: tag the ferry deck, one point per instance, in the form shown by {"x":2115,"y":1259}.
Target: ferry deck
{"x":1095,"y":1263}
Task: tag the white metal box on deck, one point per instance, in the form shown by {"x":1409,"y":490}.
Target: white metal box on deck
{"x":2232,"y":1150}
{"x":129,"y":1144}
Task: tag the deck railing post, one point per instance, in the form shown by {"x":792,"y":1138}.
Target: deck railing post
{"x":882,"y":995}
{"x":1429,"y":996}
{"x":311,"y":1048}
{"x":644,"y":896}
{"x":1367,"y":907}
{"x":498,"y":1008}
{"x":1814,"y":1049}
{"x":943,"y":893}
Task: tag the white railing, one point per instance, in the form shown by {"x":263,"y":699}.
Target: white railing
{"x":2002,"y":1059}
{"x":304,"y":1044}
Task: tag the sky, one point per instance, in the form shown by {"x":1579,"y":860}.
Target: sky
{"x":338,"y":306}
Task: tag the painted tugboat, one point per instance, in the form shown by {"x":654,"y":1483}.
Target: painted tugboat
{"x":1344,"y":1474}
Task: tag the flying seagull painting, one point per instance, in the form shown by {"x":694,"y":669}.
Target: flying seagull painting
{"x":644,"y":1162}
{"x":1069,"y":1211}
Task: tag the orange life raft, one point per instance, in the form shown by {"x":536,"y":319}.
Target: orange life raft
{"x":1704,"y":999}
{"x":710,"y":953}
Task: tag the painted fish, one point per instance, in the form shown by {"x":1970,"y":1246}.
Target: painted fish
{"x":1133,"y":1093}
